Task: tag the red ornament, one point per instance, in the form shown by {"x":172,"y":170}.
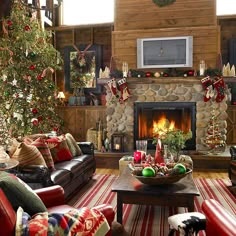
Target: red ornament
{"x":32,"y":67}
{"x":39,"y":77}
{"x":40,"y":118}
{"x":55,"y":129}
{"x":165,"y":74}
{"x":35,"y":122}
{"x":9,"y":23}
{"x":190,"y":73}
{"x":34,"y":111}
{"x":148,"y":74}
{"x":27,"y":28}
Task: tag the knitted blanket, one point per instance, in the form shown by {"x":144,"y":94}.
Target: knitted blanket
{"x":82,"y":222}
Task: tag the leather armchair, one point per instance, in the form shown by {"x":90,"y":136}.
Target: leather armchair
{"x":54,"y":200}
{"x":219,"y":221}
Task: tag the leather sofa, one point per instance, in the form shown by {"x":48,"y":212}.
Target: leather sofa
{"x":219,"y":221}
{"x":232,"y":166}
{"x":69,"y":174}
{"x":53,"y":198}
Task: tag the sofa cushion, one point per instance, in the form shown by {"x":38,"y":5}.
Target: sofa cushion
{"x":45,"y":151}
{"x":28,"y":155}
{"x":60,"y":150}
{"x":73,"y":146}
{"x":61,"y":177}
{"x":76,"y":168}
{"x":20,"y":194}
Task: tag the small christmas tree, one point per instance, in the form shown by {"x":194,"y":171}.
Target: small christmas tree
{"x":214,"y":139}
{"x":28,"y":96}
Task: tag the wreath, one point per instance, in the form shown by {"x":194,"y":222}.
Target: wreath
{"x":162,"y":3}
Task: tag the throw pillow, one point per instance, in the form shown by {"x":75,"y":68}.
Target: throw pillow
{"x":45,"y":151}
{"x":20,"y":195}
{"x":28,"y":155}
{"x":60,"y":151}
{"x":73,"y":146}
{"x":13,"y":147}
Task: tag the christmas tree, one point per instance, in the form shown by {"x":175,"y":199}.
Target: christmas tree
{"x":28,"y":96}
{"x":214,"y":139}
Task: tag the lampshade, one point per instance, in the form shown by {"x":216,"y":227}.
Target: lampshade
{"x":61,"y":95}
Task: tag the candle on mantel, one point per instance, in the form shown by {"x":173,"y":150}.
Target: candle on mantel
{"x":117,"y":146}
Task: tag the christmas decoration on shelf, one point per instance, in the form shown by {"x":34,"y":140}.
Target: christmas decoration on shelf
{"x":28,"y":97}
{"x":118,"y":93}
{"x":215,"y":88}
{"x":227,"y":70}
{"x":214,"y":138}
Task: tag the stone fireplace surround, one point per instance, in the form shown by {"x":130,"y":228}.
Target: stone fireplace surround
{"x":120,"y":117}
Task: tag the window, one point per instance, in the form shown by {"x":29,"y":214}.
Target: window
{"x":225,"y":7}
{"x":84,"y":12}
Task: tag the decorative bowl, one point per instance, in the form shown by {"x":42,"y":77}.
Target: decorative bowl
{"x":159,"y":180}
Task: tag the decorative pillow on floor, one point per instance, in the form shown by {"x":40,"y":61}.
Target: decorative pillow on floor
{"x":28,"y":155}
{"x":20,"y":195}
{"x":73,"y":146}
{"x":45,"y":151}
{"x":60,"y":151}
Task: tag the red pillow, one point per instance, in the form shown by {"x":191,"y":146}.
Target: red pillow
{"x":60,"y":150}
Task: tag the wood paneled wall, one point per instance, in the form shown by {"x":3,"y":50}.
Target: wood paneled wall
{"x":205,"y":43}
{"x":145,"y":14}
{"x":84,"y":35}
{"x":143,"y":19}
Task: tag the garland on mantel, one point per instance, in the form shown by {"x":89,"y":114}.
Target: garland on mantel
{"x":172,"y":72}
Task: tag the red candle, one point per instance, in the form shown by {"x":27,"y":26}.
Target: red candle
{"x":137,"y":157}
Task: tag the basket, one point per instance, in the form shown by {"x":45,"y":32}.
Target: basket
{"x":159,"y":180}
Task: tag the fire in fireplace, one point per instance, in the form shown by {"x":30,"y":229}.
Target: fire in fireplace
{"x":150,"y":115}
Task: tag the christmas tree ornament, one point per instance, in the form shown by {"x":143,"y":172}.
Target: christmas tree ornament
{"x":148,"y":74}
{"x":39,"y":77}
{"x":9,"y":23}
{"x":125,"y":93}
{"x":32,"y":67}
{"x":219,"y":86}
{"x":27,"y":28}
{"x":51,"y":86}
{"x":35,"y":121}
{"x":32,"y":54}
{"x":207,"y":85}
{"x":34,"y":110}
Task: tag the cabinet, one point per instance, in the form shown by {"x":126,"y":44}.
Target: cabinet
{"x":231,"y":125}
{"x":78,"y":119}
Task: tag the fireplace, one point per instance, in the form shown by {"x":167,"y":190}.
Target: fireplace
{"x":181,"y":115}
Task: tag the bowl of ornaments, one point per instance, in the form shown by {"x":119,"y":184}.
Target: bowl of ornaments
{"x":160,"y":173}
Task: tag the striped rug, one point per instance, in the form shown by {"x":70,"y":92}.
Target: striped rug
{"x":150,"y":220}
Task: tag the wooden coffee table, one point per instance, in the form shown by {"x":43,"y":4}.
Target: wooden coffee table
{"x":131,"y":191}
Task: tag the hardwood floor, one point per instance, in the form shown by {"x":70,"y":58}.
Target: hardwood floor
{"x":205,"y":174}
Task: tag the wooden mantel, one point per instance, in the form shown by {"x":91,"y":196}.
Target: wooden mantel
{"x":167,"y":80}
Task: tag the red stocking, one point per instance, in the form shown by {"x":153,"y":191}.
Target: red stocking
{"x":125,"y":93}
{"x":207,"y":85}
{"x":219,"y":85}
{"x":113,"y":87}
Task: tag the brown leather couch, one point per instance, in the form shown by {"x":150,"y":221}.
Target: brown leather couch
{"x":53,"y":198}
{"x":69,"y":174}
{"x":232,"y":166}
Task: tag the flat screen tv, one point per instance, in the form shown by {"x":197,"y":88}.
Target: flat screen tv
{"x":166,"y":52}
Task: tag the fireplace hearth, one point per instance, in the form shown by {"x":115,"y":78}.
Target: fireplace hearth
{"x":148,"y":115}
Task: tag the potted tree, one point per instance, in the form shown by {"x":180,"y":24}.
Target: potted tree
{"x":174,"y":139}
